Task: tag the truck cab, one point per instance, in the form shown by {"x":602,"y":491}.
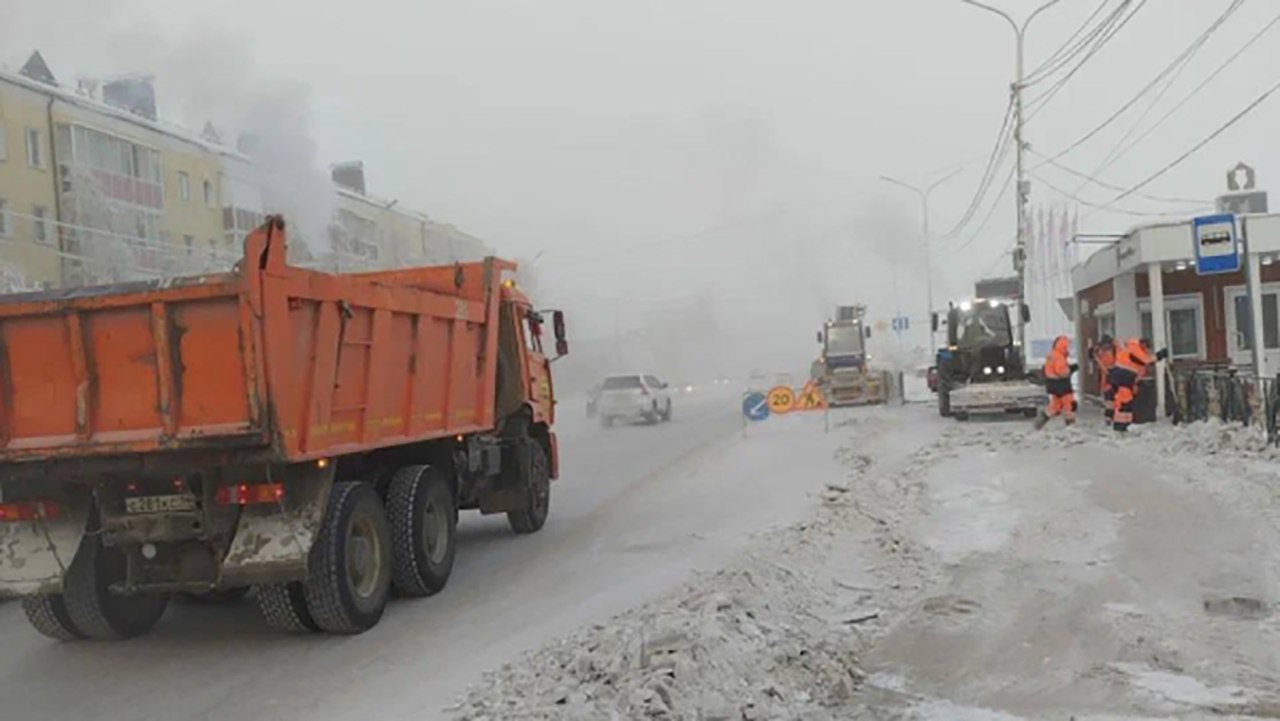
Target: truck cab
{"x":841,"y":369}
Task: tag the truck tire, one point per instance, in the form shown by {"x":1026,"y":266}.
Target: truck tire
{"x":539,"y":485}
{"x":349,"y":572}
{"x":96,"y":611}
{"x":47,"y":613}
{"x":666,"y":415}
{"x":424,"y":520}
{"x":284,"y":607}
{"x":961,"y":416}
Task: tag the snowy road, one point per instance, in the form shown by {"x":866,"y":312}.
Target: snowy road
{"x":977,"y":571}
{"x":636,"y":510}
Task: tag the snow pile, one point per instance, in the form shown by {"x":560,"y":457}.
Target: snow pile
{"x":1212,"y":437}
{"x":764,"y":639}
{"x":751,"y":643}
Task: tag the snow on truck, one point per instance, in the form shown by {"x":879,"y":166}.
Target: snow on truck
{"x":310,"y":435}
{"x":980,"y":368}
{"x":842,"y":368}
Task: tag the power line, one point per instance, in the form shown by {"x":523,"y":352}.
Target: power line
{"x":1112,"y":27}
{"x":1178,"y":161}
{"x":1176,"y":62}
{"x":1196,"y":90}
{"x":1125,"y":211}
{"x":1182,"y":62}
{"x":998,"y":153}
{"x":1112,"y":186}
{"x":1074,"y":45}
{"x":990,"y":213}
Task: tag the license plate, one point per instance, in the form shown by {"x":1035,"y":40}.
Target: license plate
{"x":160,"y":504}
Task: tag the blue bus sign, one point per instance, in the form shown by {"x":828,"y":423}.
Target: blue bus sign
{"x":1217,"y":246}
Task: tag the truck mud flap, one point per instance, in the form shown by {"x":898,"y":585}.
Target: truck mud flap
{"x":508,"y":490}
{"x":34,"y":555}
{"x":272,"y":542}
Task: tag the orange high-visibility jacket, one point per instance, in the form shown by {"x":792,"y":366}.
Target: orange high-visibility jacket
{"x":1134,"y":357}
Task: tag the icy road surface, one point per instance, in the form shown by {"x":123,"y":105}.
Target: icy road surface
{"x":637,"y":508}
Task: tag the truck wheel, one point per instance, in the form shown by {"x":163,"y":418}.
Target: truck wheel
{"x":424,"y":521}
{"x":349,"y":572}
{"x":47,"y":612}
{"x":539,"y":484}
{"x":284,"y":607}
{"x":94,"y":609}
{"x":666,"y":415}
{"x":961,"y":416}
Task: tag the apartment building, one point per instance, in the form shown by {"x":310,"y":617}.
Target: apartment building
{"x":96,"y":188}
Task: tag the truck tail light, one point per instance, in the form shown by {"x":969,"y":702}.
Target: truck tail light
{"x":245,"y":494}
{"x":29,"y":511}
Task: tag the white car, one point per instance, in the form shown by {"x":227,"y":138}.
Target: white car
{"x":634,"y":397}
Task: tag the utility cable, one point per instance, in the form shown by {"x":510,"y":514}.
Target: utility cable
{"x":1192,"y":151}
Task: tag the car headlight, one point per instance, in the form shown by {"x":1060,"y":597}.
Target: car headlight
{"x":1000,"y":370}
{"x":688,"y":389}
{"x":986,"y":371}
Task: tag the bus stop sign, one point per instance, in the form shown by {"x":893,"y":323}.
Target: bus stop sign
{"x":1217,"y":246}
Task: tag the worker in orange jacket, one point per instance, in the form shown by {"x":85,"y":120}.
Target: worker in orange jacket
{"x":1132,"y":362}
{"x":1104,"y":354}
{"x":1057,"y":380}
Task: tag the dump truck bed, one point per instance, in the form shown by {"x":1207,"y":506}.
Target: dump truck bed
{"x":284,"y":362}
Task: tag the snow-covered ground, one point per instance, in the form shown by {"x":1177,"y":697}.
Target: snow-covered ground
{"x":898,"y":566}
{"x":972,"y":571}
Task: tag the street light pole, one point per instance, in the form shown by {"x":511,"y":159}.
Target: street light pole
{"x":1024,"y":188}
{"x":928,"y":245}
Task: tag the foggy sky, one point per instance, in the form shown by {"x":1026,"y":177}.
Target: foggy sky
{"x":661,"y":153}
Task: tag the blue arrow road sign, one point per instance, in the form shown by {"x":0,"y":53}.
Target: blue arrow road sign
{"x":755,"y":407}
{"x":1217,"y":247}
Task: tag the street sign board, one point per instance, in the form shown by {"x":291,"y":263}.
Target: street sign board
{"x":781,"y":399}
{"x":901,"y":324}
{"x":810,"y":398}
{"x":755,"y":407}
{"x":1217,"y":247}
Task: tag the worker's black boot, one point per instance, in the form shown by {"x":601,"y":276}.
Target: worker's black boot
{"x":1042,"y":418}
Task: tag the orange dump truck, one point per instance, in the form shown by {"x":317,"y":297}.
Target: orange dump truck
{"x":311,"y":436}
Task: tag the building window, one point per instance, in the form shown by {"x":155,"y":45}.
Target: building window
{"x":184,"y":185}
{"x":35,"y":148}
{"x":41,"y":225}
{"x":6,"y":231}
{"x":1106,"y":326}
{"x":208,"y":194}
{"x":1183,"y":326}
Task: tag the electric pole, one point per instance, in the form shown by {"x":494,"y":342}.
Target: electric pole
{"x":1024,"y":186}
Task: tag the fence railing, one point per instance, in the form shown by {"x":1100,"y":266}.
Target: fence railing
{"x":1226,"y":394}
